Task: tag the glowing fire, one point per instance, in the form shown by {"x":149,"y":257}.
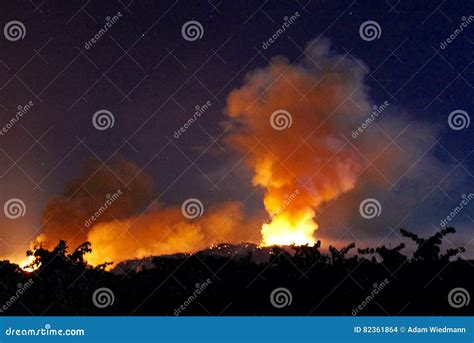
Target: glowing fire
{"x":284,"y":230}
{"x":26,"y":264}
{"x":287,"y":121}
{"x":293,"y":144}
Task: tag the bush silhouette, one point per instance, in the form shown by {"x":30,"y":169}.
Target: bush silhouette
{"x":321,"y":283}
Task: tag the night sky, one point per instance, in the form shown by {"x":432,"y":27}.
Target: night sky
{"x":151,"y":79}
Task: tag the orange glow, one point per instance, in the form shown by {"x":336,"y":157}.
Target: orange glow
{"x":162,"y":231}
{"x":26,"y":264}
{"x":282,"y":232}
{"x":289,"y":122}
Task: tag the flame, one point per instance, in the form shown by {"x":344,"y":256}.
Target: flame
{"x":164,"y":230}
{"x":123,"y":230}
{"x":288,"y":121}
{"x":285,"y":231}
{"x":27,"y":264}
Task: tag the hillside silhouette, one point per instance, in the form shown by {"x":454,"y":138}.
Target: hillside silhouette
{"x":347,"y":281}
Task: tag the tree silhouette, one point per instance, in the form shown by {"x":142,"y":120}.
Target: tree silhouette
{"x":339,"y":256}
{"x":429,"y":249}
{"x":336,"y":281}
{"x":59,"y":256}
{"x":389,"y":256}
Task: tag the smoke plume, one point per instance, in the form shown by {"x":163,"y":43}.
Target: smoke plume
{"x":162,"y":231}
{"x":109,"y":206}
{"x":302,"y":129}
{"x":68,"y":215}
{"x":290,"y":121}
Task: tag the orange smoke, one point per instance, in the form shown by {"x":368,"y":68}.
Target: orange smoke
{"x":163,"y":231}
{"x":98,"y":207}
{"x":68,"y":215}
{"x":288,"y":121}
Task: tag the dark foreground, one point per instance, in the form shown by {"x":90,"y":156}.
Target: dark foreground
{"x":295,"y":281}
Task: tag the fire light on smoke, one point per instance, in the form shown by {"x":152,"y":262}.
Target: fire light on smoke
{"x":288,"y":121}
{"x":27,"y":264}
{"x":284,"y":230}
{"x":163,"y":231}
{"x":120,"y":223}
